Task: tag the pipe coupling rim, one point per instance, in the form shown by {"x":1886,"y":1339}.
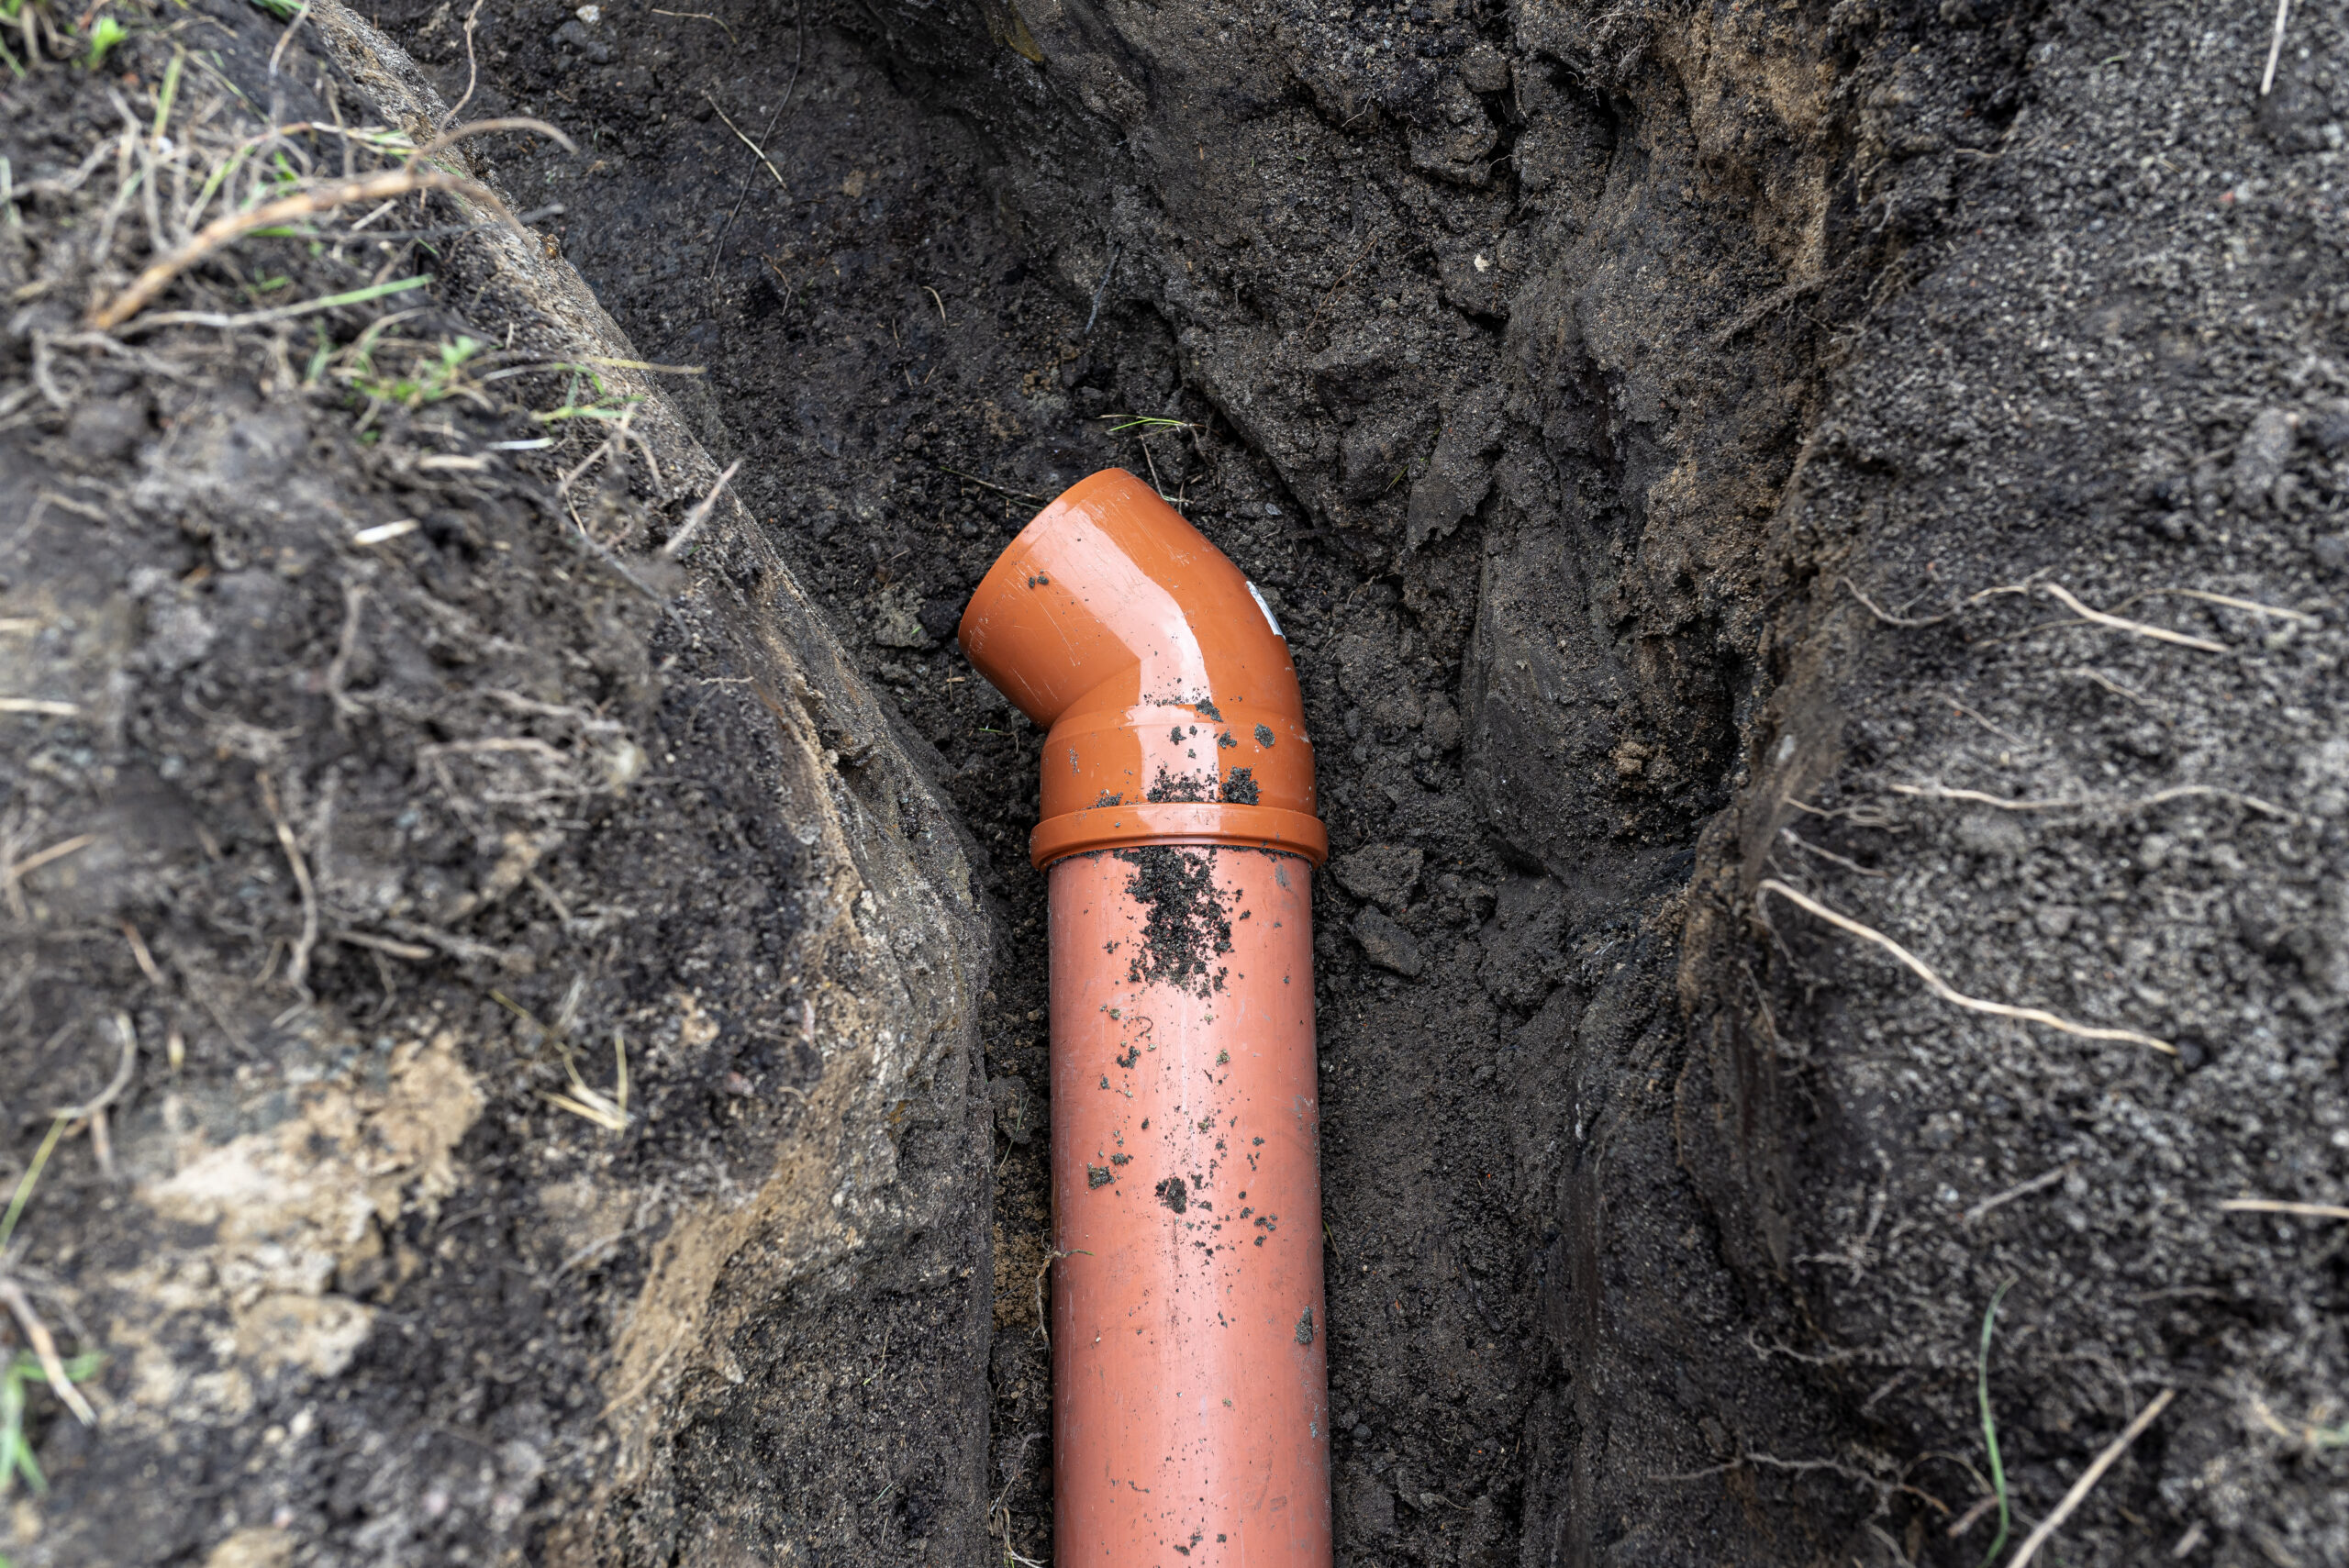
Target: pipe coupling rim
{"x":1179,"y":822}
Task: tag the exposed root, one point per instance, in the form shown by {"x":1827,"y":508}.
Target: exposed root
{"x":456,"y":947}
{"x":702,"y":17}
{"x":790,"y":91}
{"x":2021,"y":1189}
{"x":999,"y":1520}
{"x":2089,"y":1477}
{"x":606,"y":1111}
{"x":346,"y":708}
{"x":2316,"y":1439}
{"x":2003,"y":802}
{"x":2008,"y":736}
{"x":2071,"y":602}
{"x":277,"y":55}
{"x":92,"y":1114}
{"x":2115,"y":687}
{"x":700,"y":515}
{"x":1877,"y":1484}
{"x":98,"y":1103}
{"x":2274,"y":47}
{"x":2106,"y":618}
{"x":13,"y":871}
{"x":1948,"y":993}
{"x":2159,"y":797}
{"x":2280,"y":1205}
{"x":1857,"y":816}
{"x":409,"y":951}
{"x":1972,"y":1516}
{"x":2249,"y":606}
{"x":298,"y":970}
{"x":1805,"y":845}
{"x":472,"y":66}
{"x":503,"y":122}
{"x":44,"y":1344}
{"x":139,"y":950}
{"x":756,"y":151}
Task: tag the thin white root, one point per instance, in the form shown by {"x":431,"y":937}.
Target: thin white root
{"x":2158,"y":633}
{"x":91,"y":1107}
{"x":700,"y":515}
{"x":1805,"y":845}
{"x":756,"y":150}
{"x":1887,"y":616}
{"x":297,"y":969}
{"x":1948,"y":993}
{"x":2275,"y":46}
{"x":2159,"y":797}
{"x":14,"y":870}
{"x":2021,"y":1189}
{"x":139,"y":950}
{"x":52,"y":1365}
{"x":1936,"y":792}
{"x":509,"y":122}
{"x":2251,"y":607}
{"x":2089,"y":1477}
{"x":2279,"y":1205}
{"x":2250,"y":802}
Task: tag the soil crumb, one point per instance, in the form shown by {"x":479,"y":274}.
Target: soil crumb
{"x":1173,"y":1193}
{"x":1169,"y":786}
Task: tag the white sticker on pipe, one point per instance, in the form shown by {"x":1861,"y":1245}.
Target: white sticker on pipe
{"x":1270,"y":619}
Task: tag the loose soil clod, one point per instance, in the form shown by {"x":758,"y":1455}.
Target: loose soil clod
{"x":1187,"y":921}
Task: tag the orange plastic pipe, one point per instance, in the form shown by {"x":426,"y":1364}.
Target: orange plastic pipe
{"x":1191,"y":1421}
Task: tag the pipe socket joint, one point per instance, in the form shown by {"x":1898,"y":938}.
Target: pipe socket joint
{"x":1171,"y":707}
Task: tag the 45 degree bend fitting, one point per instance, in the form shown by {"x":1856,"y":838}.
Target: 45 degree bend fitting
{"x":1178,"y":834}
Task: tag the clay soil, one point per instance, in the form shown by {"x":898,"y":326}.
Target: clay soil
{"x":1746,"y":487}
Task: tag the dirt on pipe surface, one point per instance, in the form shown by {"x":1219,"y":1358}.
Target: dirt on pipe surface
{"x":1810,"y":533}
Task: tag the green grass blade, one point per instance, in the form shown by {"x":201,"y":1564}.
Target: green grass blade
{"x":169,"y":93}
{"x":1991,"y":1426}
{"x":14,"y":1460}
{"x":30,"y":1466}
{"x":24,"y":1185}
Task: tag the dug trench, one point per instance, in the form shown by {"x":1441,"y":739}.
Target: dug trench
{"x":1768,"y":504}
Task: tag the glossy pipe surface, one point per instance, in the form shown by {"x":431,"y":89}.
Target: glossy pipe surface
{"x":1190,"y":1374}
{"x":1172,"y":708}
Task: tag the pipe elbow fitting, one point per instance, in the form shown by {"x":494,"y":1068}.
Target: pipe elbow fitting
{"x":1170,"y":707}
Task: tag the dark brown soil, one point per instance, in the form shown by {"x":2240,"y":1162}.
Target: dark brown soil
{"x":1714,"y":463}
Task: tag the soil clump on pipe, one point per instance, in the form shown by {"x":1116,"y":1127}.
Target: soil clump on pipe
{"x":1186,"y":922}
{"x":1745,"y":487}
